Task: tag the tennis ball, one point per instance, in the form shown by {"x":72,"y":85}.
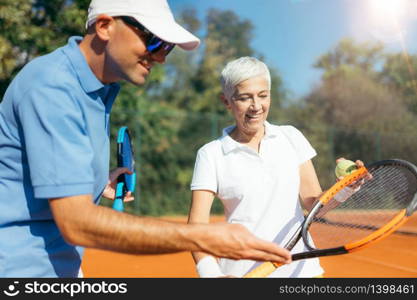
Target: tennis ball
{"x":345,"y":167}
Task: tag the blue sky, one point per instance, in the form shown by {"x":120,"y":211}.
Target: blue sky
{"x":292,"y":34}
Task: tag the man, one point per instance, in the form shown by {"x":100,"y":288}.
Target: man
{"x":54,"y":151}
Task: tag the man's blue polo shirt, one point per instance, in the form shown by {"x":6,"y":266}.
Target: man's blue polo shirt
{"x":54,"y":142}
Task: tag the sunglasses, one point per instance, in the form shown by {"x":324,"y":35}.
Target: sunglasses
{"x":153,"y":43}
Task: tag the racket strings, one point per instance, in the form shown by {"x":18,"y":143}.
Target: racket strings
{"x":373,"y":205}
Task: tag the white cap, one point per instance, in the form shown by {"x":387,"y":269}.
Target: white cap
{"x":155,"y":15}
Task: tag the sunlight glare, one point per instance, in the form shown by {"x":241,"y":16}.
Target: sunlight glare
{"x":388,"y":8}
{"x":388,"y":19}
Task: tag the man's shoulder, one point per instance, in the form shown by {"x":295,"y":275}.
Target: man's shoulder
{"x":50,"y":73}
{"x":52,"y":68}
{"x":46,"y":79}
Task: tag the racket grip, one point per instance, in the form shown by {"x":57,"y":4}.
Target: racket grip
{"x":118,"y":201}
{"x":263,"y":270}
{"x":118,"y":204}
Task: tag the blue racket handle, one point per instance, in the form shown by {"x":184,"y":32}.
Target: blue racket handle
{"x":131,"y":182}
{"x":118,"y":201}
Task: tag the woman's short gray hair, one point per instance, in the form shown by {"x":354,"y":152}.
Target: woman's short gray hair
{"x":240,"y":70}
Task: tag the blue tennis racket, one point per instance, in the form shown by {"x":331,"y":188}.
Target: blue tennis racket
{"x":125,"y":159}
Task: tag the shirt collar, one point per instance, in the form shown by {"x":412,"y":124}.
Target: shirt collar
{"x":229,"y":144}
{"x":270,"y":130}
{"x":88,"y":80}
{"x":108,"y":94}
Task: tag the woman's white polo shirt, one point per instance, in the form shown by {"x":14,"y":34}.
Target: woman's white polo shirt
{"x":259,"y":190}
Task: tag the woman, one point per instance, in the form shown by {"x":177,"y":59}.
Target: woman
{"x":258,"y":170}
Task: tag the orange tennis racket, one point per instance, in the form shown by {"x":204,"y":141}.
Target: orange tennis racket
{"x":380,"y":198}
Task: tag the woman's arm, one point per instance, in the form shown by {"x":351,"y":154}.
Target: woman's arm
{"x":201,"y":203}
{"x":310,"y":188}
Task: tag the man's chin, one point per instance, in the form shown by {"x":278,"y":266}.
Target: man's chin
{"x":137,"y":81}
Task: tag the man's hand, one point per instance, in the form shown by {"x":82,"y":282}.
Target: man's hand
{"x":236,"y":242}
{"x":110,"y":189}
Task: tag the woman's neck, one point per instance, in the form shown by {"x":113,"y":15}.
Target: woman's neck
{"x":251,"y":139}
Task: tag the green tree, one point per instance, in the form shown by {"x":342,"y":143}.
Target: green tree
{"x":354,"y":112}
{"x":29,"y":28}
{"x":399,"y":72}
{"x":349,"y":56}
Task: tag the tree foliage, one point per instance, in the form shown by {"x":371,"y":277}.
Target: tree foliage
{"x":363,"y":107}
{"x":400,"y":73}
{"x":29,"y":28}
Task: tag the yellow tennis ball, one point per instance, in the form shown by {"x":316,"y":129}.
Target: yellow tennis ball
{"x":345,"y":167}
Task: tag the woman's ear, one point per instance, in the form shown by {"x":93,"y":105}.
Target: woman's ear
{"x":224,"y":100}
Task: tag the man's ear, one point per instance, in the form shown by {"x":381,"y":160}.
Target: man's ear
{"x":224,"y":100}
{"x":103,"y":26}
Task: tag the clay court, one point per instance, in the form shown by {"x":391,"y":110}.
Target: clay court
{"x":396,"y":256}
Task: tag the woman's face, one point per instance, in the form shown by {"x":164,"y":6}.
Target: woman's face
{"x":249,"y":104}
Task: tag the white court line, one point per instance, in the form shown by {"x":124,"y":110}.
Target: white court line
{"x":379,"y":262}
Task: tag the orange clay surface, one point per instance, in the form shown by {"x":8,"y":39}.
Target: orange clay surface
{"x":395,"y":256}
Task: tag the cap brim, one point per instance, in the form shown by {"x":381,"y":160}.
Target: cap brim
{"x":170,"y":31}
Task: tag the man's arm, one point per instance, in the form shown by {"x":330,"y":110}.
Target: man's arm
{"x":83,"y":223}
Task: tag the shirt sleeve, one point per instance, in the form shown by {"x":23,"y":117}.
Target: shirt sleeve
{"x":56,"y":144}
{"x":301,"y":145}
{"x":205,"y":175}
